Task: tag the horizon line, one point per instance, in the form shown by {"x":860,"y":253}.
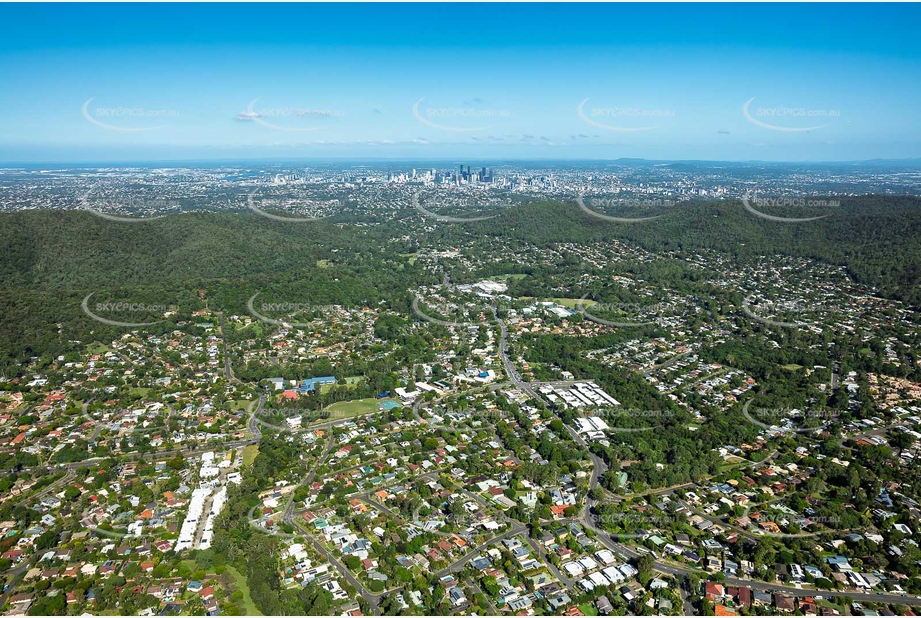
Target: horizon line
{"x":453,"y":160}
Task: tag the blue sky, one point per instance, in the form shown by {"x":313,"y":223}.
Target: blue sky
{"x":110,"y":82}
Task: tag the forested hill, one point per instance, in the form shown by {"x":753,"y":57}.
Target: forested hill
{"x":49,"y":249}
{"x":877,"y":238}
{"x":50,"y":260}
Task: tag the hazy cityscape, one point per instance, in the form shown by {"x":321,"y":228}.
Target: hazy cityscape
{"x":333,"y":189}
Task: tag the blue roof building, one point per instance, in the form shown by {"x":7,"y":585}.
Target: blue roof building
{"x":310,"y":384}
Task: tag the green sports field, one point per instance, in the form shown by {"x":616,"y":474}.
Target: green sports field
{"x":348,"y":409}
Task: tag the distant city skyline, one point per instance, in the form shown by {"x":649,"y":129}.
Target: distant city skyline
{"x":481,"y":83}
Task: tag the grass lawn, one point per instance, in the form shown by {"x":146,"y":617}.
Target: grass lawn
{"x":346,"y":409}
{"x":239,"y":404}
{"x":826,"y":603}
{"x":140,"y":391}
{"x":732,"y":463}
{"x":588,"y":609}
{"x":249,"y":453}
{"x":238,"y":582}
{"x":249,"y":608}
{"x":322,"y":263}
{"x":98,"y":348}
{"x":791,"y":367}
{"x":570,"y":303}
{"x":256,"y":325}
{"x":351,"y":382}
{"x":412,"y":257}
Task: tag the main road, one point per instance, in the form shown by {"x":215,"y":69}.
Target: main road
{"x":588,"y":520}
{"x":228,"y":370}
{"x":679,"y":571}
{"x":510,"y":369}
